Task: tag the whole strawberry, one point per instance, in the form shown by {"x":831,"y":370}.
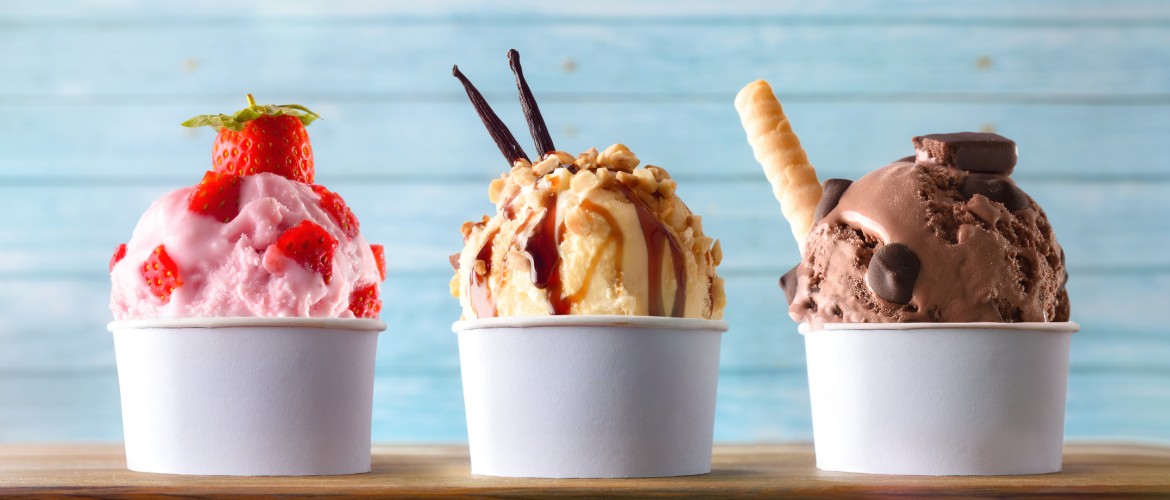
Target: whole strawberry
{"x":262,"y":138}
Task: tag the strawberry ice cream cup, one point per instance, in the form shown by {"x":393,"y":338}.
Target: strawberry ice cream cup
{"x":939,"y":398}
{"x":246,"y":313}
{"x":247,"y":396}
{"x":590,"y":396}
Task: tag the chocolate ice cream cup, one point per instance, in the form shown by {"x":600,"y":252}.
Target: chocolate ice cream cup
{"x":247,"y":396}
{"x":590,"y":396}
{"x":939,"y":398}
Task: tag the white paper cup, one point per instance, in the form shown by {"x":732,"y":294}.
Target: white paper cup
{"x":589,"y":396}
{"x":247,"y":396}
{"x":939,"y":398}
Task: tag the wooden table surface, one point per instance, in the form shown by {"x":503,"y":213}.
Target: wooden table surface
{"x":98,"y":471}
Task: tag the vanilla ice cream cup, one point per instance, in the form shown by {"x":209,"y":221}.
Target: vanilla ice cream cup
{"x":590,"y":396}
{"x":247,"y":396}
{"x":939,"y":398}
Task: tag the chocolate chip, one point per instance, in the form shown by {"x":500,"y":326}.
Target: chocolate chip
{"x":970,"y":151}
{"x":788,"y":283}
{"x":834,"y":188}
{"x":996,"y":188}
{"x":454,"y":258}
{"x":892,"y":273}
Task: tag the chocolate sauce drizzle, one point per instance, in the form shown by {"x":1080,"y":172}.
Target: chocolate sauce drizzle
{"x":657,"y":238}
{"x":543,"y":248}
{"x":536,"y":125}
{"x":500,"y":134}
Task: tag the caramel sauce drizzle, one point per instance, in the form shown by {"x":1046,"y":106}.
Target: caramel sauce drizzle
{"x":543,"y":249}
{"x":615,"y":237}
{"x":481,"y":297}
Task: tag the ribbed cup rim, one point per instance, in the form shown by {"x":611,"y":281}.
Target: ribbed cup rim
{"x":357,"y":324}
{"x":1054,"y":327}
{"x":646,"y":322}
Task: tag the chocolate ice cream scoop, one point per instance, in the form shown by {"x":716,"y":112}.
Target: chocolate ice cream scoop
{"x":924,"y":240}
{"x":941,"y":236}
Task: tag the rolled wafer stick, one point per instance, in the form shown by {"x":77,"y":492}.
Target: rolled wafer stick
{"x":777,"y":149}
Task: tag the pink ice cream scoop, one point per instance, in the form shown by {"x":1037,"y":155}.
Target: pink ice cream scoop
{"x":250,"y":241}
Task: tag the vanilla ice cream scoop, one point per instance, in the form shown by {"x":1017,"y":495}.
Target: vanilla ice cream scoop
{"x":594,"y":234}
{"x":588,"y":235}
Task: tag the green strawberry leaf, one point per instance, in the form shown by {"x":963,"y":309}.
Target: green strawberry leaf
{"x":253,"y":111}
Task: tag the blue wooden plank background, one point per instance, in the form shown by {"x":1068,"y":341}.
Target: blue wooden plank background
{"x":91,"y":94}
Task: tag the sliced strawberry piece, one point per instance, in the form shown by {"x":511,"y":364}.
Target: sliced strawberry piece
{"x":333,"y":204}
{"x":364,"y":302}
{"x":161,"y":274}
{"x":119,"y":254}
{"x":310,"y":245}
{"x":217,"y":195}
{"x":380,"y":258}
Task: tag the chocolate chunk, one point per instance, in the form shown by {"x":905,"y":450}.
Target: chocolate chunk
{"x":996,"y":188}
{"x":454,"y":258}
{"x":834,"y":188}
{"x":788,"y":283}
{"x":970,"y":151}
{"x":892,"y":273}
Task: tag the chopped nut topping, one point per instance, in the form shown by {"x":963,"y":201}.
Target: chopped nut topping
{"x":648,"y":183}
{"x":584,"y":181}
{"x":695,"y":221}
{"x":619,"y":158}
{"x":562,"y":178}
{"x":494,"y":190}
{"x":523,"y":177}
{"x":546,"y":166}
{"x":658,"y":172}
{"x":564,"y":158}
{"x":703,"y":242}
{"x":666,"y":187}
{"x":605,"y":176}
{"x":587,"y":160}
{"x":630,"y":180}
